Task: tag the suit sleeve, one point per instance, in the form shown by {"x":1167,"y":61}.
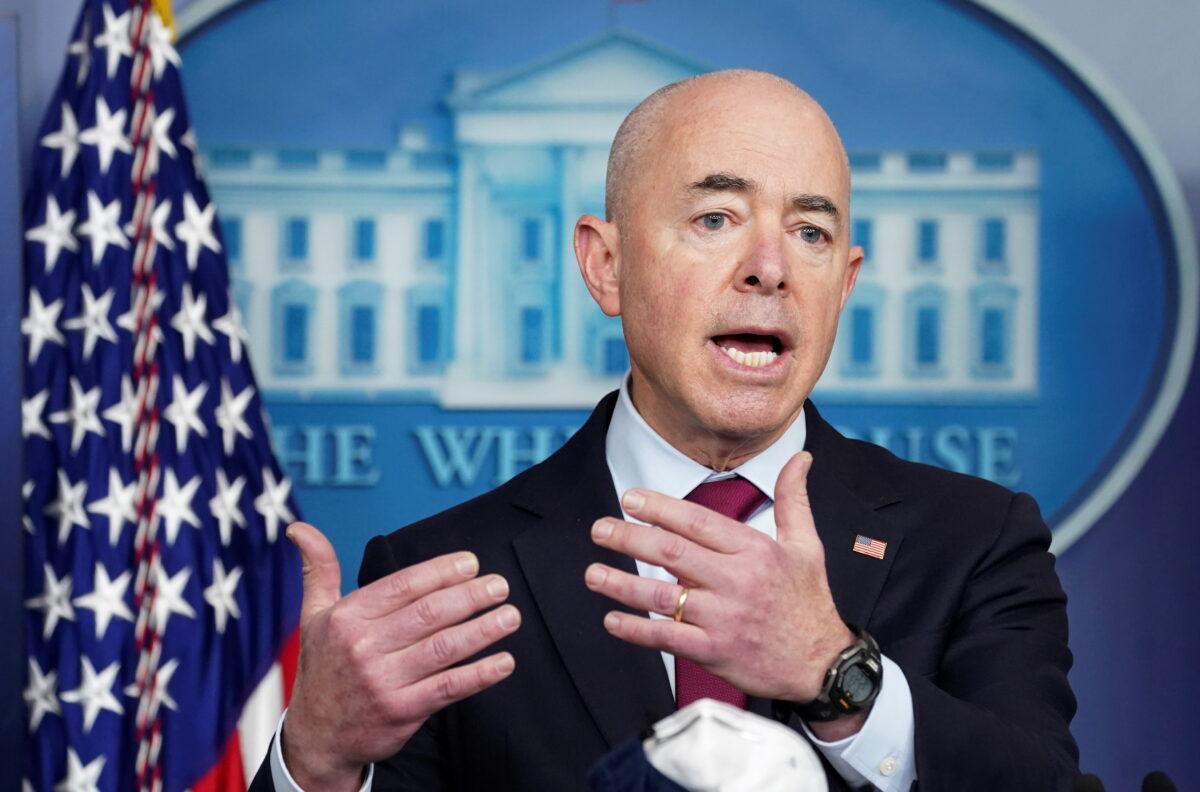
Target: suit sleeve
{"x":421,"y":765}
{"x":997,"y":715}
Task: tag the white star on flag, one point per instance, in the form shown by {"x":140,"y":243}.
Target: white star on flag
{"x":26,"y":494}
{"x":159,"y":695}
{"x":123,"y":412}
{"x":189,"y":321}
{"x":55,"y":234}
{"x":128,"y":320}
{"x":31,"y":415}
{"x":117,"y":506}
{"x":231,"y":415}
{"x":108,"y":135}
{"x":102,"y":226}
{"x":161,"y":51}
{"x":114,"y":39}
{"x":41,"y":324}
{"x":168,"y":597}
{"x":158,"y":225}
{"x":65,"y":138}
{"x":160,"y":136}
{"x":55,"y":600}
{"x":195,"y":230}
{"x":107,"y":599}
{"x":81,"y":777}
{"x":224,"y":505}
{"x":41,"y":695}
{"x":82,"y":48}
{"x":69,"y":506}
{"x":182,"y":412}
{"x":82,"y":414}
{"x":175,"y":506}
{"x":230,"y":324}
{"x":95,"y":692}
{"x":272,"y":503}
{"x":221,"y":594}
{"x":94,"y":320}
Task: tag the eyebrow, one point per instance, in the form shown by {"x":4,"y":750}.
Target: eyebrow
{"x":728,"y":182}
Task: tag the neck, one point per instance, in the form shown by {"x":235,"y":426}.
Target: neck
{"x":716,"y":450}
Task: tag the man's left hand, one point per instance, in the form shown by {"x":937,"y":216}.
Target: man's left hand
{"x":759,"y":613}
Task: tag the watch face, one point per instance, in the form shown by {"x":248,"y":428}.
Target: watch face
{"x":857,"y":685}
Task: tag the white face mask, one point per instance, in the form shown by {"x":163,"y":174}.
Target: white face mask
{"x":709,"y":746}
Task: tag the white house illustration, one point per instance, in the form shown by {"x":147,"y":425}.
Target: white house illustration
{"x":446,"y":272}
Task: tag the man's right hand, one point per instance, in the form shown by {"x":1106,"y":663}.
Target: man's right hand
{"x":376,"y":663}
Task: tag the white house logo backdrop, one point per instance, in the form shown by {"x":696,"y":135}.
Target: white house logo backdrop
{"x":397,"y":184}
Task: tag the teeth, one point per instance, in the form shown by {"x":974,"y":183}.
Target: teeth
{"x":751,"y":359}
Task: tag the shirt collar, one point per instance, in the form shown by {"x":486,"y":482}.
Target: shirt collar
{"x":639,"y":457}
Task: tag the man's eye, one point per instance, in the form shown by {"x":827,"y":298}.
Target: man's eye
{"x":713,"y":221}
{"x":811,"y":234}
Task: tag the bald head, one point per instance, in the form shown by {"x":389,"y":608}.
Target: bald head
{"x":650,"y":123}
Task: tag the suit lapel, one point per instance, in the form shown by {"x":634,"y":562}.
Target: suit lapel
{"x":845,"y":502}
{"x":624,"y":687}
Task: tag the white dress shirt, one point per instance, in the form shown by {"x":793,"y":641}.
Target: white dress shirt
{"x":882,"y":754}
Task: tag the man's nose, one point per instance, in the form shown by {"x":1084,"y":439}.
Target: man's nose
{"x":763,"y":267}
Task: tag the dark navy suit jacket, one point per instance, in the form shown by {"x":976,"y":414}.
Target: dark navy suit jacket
{"x":965,"y":601}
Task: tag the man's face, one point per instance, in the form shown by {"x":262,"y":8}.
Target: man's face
{"x":734,"y":262}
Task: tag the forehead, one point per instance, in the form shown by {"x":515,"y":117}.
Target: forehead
{"x":782,"y":143}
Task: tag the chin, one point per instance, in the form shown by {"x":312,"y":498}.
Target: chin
{"x":742,"y":414}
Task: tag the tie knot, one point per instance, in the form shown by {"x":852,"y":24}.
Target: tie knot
{"x":734,"y":497}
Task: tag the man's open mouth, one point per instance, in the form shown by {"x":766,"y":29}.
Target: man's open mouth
{"x":754,"y":350}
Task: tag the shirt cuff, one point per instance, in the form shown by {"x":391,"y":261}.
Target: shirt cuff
{"x":883,"y":753}
{"x":282,"y":780}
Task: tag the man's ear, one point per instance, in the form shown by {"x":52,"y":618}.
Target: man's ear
{"x":597,"y":247}
{"x":854,"y":261}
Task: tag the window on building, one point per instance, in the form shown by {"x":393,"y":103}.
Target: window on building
{"x":362,"y":334}
{"x":922,"y":162}
{"x":927,"y":241}
{"x":531,"y":238}
{"x":231,"y":238}
{"x":295,"y":333}
{"x":533,"y":321}
{"x":992,"y":306}
{"x":862,"y":235}
{"x":433,"y":238}
{"x":993,"y":240}
{"x":298,"y":159}
{"x":862,"y":336}
{"x":229,"y":158}
{"x":616,"y":355}
{"x":364,"y":239}
{"x":297,"y":238}
{"x":293,"y":308}
{"x":994,"y":161}
{"x":429,"y":334}
{"x":864,"y":162}
{"x":929,"y":327}
{"x":366,"y":159}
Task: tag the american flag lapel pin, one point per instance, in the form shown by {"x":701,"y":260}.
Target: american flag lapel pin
{"x":869,"y":547}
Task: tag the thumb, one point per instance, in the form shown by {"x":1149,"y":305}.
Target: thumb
{"x":793,"y":514}
{"x":322,"y":575}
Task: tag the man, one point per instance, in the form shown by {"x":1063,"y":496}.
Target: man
{"x":726,"y":253}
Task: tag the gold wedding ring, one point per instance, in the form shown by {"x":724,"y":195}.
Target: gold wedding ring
{"x":683,"y":595}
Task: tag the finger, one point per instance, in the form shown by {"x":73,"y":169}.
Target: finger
{"x":678,"y":638}
{"x":444,"y":688}
{"x":438,"y":610}
{"x":703,"y":526}
{"x":682,"y":557}
{"x":319,"y":565}
{"x":403,"y":587}
{"x":643,"y":594}
{"x":452,"y":644}
{"x":793,"y":512}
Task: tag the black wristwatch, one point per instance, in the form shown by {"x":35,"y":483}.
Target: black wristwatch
{"x":851,"y":683}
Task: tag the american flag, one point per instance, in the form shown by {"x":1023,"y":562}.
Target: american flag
{"x":162,"y":600}
{"x":870,"y":547}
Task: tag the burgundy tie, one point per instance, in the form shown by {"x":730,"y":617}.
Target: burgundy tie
{"x":736,"y":498}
